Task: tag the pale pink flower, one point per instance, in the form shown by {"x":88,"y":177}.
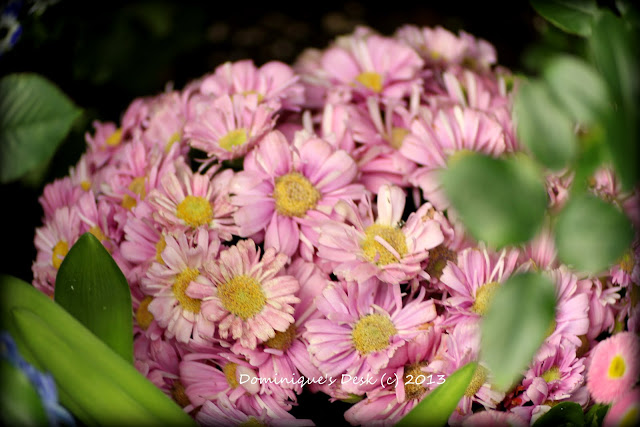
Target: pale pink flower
{"x":247,"y":296}
{"x":281,"y":184}
{"x":101,"y":146}
{"x":335,"y":126}
{"x":58,"y":194}
{"x":83,"y":174}
{"x":557,"y":185}
{"x":602,"y":300}
{"x":541,"y":250}
{"x":614,"y":369}
{"x":363,"y":247}
{"x":163,"y":122}
{"x":158,"y":360}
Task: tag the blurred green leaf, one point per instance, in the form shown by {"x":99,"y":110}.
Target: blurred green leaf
{"x":595,"y":416}
{"x":578,"y":87}
{"x":591,"y":234}
{"x":435,"y":409}
{"x":511,"y":212}
{"x":567,"y":414}
{"x":35,"y":116}
{"x":573,"y":16}
{"x":20,"y":404}
{"x":543,"y":126}
{"x":515,"y":325}
{"x":45,"y":325}
{"x":91,"y":287}
{"x":614,"y":49}
{"x":592,"y":153}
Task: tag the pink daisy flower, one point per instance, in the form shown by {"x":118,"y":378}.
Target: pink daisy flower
{"x":473,"y":280}
{"x":363,"y":326}
{"x":335,"y":126}
{"x":163,"y":122}
{"x":186,"y":201}
{"x":248,"y":297}
{"x":104,"y":143}
{"x":384,"y":248}
{"x":83,"y":174}
{"x":625,"y":411}
{"x":432,"y":141}
{"x":602,"y":301}
{"x":158,"y":360}
{"x":173,"y":305}
{"x":541,"y":250}
{"x":281,"y":184}
{"x":614,"y":369}
{"x":228,"y":127}
{"x":58,"y":194}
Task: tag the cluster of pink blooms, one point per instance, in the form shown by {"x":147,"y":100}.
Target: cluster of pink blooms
{"x":286,"y":223}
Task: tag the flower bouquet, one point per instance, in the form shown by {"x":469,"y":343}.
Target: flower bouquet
{"x":394,"y":222}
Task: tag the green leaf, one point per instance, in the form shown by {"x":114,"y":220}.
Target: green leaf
{"x":592,"y":234}
{"x":20,"y":403}
{"x":563,"y":414}
{"x":511,"y":212}
{"x":595,"y":416}
{"x":578,"y":87}
{"x":435,"y":409}
{"x":91,"y":287}
{"x":572,"y":16}
{"x":544,"y":127}
{"x":35,"y":116}
{"x":83,"y":350}
{"x":515,"y":325}
{"x":593,"y":153}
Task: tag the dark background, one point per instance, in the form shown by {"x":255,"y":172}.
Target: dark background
{"x":105,"y":54}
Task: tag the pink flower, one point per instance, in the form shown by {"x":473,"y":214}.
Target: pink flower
{"x":363,"y":248}
{"x":363,"y":326}
{"x":281,"y":184}
{"x":614,"y":369}
{"x":158,"y":360}
{"x":493,"y":418}
{"x":248,"y":298}
{"x":625,"y":411}
{"x":104,"y":143}
{"x":58,"y":194}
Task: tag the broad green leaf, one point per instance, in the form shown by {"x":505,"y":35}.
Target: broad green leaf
{"x":595,"y":416}
{"x":592,"y":234}
{"x":91,"y":287}
{"x":20,"y":403}
{"x":35,"y":116}
{"x":86,"y":351}
{"x":593,"y":153}
{"x":435,"y":409}
{"x":563,"y":414}
{"x":501,"y":201}
{"x":515,"y":326}
{"x":578,"y":87}
{"x":572,"y":16}
{"x":544,"y":127}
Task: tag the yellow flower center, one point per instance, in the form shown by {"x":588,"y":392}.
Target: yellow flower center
{"x":242,"y":296}
{"x":627,"y":262}
{"x":484,"y":295}
{"x":375,"y":252}
{"x":159,"y":248}
{"x":230,"y":374}
{"x":115,"y":138}
{"x":294,"y":195}
{"x":413,"y":390}
{"x":180,"y":285}
{"x":195,"y":211}
{"x":552,"y":374}
{"x":143,"y":315}
{"x":60,"y":250}
{"x":630,"y":419}
{"x":252,"y":422}
{"x":137,"y":186}
{"x":372,"y":333}
{"x":478,"y":379}
{"x":178,"y":394}
{"x":97,"y":233}
{"x":371,"y":80}
{"x":234,"y":138}
{"x":283,"y":340}
{"x":86,"y":185}
{"x":175,"y":137}
{"x":397,"y":137}
{"x":438,"y":258}
{"x":617,"y":367}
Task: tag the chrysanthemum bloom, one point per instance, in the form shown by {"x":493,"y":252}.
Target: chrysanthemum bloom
{"x":603,"y":300}
{"x":105,"y":141}
{"x":58,"y":194}
{"x":223,"y":413}
{"x":162,"y":126}
{"x":624,"y":412}
{"x":557,"y":184}
{"x":541,"y":250}
{"x":627,"y":271}
{"x":228,"y":127}
{"x":335,"y":126}
{"x":383,"y":248}
{"x":438,"y":46}
{"x":173,"y":306}
{"x":248,"y":297}
{"x":473,"y":280}
{"x":281,"y":183}
{"x":555,"y":374}
{"x":405,"y":383}
{"x":97,"y":218}
{"x":158,"y":360}
{"x":371,"y":65}
{"x":363,"y":326}
{"x":433,"y":140}
{"x":83,"y":174}
{"x":186,"y":201}
{"x":285,"y":357}
{"x":614,"y":369}
{"x":53,"y":241}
